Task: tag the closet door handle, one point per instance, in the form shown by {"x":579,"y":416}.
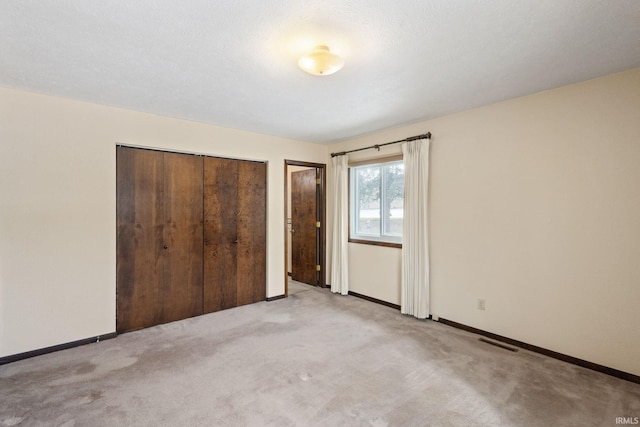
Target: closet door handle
{"x":166,"y":247}
{"x":235,"y":241}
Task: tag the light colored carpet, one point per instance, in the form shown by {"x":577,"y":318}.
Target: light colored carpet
{"x":313,"y":359}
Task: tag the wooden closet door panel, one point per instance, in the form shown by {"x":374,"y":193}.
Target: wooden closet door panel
{"x":139,"y":218}
{"x":220,"y":224}
{"x":252,"y":232}
{"x":182,"y":238}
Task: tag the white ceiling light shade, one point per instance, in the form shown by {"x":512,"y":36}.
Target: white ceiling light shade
{"x":320,"y":61}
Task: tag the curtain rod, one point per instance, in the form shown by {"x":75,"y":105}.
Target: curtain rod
{"x":377,"y":146}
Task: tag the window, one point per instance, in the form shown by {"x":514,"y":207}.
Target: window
{"x":376,"y":203}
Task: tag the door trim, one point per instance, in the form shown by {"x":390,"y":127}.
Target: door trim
{"x":322,"y":201}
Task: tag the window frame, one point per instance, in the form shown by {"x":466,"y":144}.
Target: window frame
{"x":358,"y":239}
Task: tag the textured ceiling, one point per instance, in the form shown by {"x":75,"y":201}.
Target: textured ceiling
{"x":233,"y":63}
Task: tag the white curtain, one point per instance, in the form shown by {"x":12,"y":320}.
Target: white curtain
{"x":415,"y":238}
{"x":339,"y":256}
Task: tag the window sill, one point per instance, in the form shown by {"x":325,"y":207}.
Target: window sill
{"x":376,"y":243}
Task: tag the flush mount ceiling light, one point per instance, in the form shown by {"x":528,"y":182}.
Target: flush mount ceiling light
{"x":320,"y":61}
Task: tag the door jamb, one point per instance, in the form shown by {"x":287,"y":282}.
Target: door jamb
{"x":323,"y":220}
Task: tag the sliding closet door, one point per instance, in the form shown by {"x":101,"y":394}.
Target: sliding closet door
{"x":252,"y":232}
{"x":182,"y":237}
{"x":191,"y":236}
{"x":140,"y":215}
{"x":220,"y":233}
{"x":234,"y":233}
{"x":159,"y":237}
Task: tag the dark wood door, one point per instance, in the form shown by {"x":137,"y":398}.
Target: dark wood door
{"x":304,"y":235}
{"x":159,"y":237}
{"x":252,"y":232}
{"x":140,"y":219}
{"x":182,"y":237}
{"x":234,"y":233}
{"x":220,"y":233}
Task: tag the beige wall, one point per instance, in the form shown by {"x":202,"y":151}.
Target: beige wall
{"x":534,"y":207}
{"x":57,"y":208}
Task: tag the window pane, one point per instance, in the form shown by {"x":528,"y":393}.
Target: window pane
{"x":368,"y":200}
{"x":393,"y":198}
{"x":376,"y":202}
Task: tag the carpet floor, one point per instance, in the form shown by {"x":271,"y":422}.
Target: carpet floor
{"x":312,"y":359}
